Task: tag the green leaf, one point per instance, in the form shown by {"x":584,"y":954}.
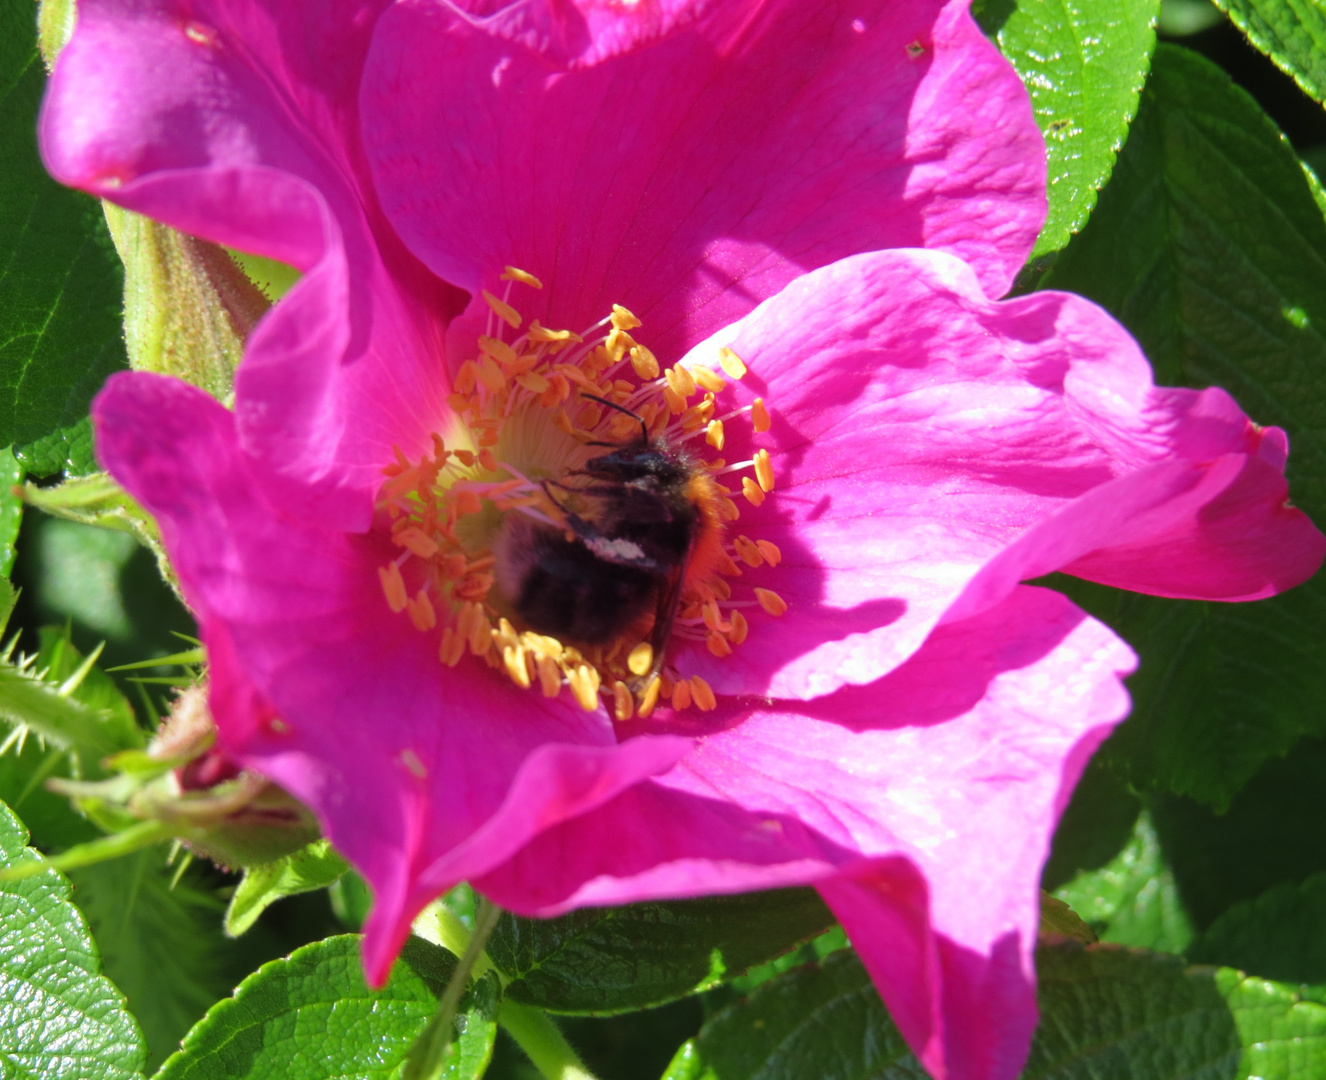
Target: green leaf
{"x":61,"y":283}
{"x":1083,"y":63}
{"x":1095,"y":827}
{"x":11,"y":508}
{"x":608,"y":960}
{"x":1133,"y":900}
{"x":98,"y":500}
{"x":822,"y":1020}
{"x":313,"y":867}
{"x":1277,"y":936}
{"x":1106,"y":1012}
{"x":1210,"y":247}
{"x":159,"y":943}
{"x":311,"y":1016}
{"x":1291,"y":32}
{"x":1274,"y":831}
{"x":59,"y":1017}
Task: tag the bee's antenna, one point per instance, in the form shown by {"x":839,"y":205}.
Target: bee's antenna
{"x":644,"y":428}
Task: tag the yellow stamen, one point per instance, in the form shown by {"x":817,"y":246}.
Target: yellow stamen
{"x":452,"y":647}
{"x":421,"y":611}
{"x":417,"y":541}
{"x":622,"y":701}
{"x":488,"y":460}
{"x":681,"y":695}
{"x":727,"y":510}
{"x":650,"y":697}
{"x":702,"y":694}
{"x":644,"y":363}
{"x":708,"y":379}
{"x":731,"y":363}
{"x":770,"y":601}
{"x":764,"y":470}
{"x":499,"y":350}
{"x":547,"y":336}
{"x":514,"y":273}
{"x":752,"y":491}
{"x":748,"y":551}
{"x":393,"y":587}
{"x":740,"y":628}
{"x":533,"y":382}
{"x":584,"y":682}
{"x":503,"y":310}
{"x":550,"y":675}
{"x":491,"y":375}
{"x":759,"y":415}
{"x":718,"y":645}
{"x":713,"y":434}
{"x":641,"y":658}
{"x":622,"y":319}
{"x":770,"y":552}
{"x":513,"y":659}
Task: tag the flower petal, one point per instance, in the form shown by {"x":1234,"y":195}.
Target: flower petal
{"x":252,"y":142}
{"x":421,"y":775}
{"x":922,"y":806}
{"x":932,"y":448}
{"x":693,"y":178}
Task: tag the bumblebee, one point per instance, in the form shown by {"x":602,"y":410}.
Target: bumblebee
{"x":641,"y":521}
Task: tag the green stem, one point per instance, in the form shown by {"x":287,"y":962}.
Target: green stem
{"x":132,"y":839}
{"x":540,"y":1038}
{"x":430,"y":1051}
{"x":442,"y":926}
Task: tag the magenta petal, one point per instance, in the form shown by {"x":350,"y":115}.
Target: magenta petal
{"x":419,"y":774}
{"x":922,"y":806}
{"x":693,"y":178}
{"x":932,"y":448}
{"x":252,"y":142}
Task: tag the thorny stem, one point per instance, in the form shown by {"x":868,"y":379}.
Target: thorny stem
{"x":540,"y":1038}
{"x":431,"y":1050}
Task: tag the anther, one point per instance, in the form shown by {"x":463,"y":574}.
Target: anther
{"x":452,"y":647}
{"x":421,"y":611}
{"x":681,"y":694}
{"x":731,"y":363}
{"x":759,"y":415}
{"x":514,"y":273}
{"x":584,"y":683}
{"x":764,"y":470}
{"x":644,"y":363}
{"x":623,"y":702}
{"x":533,"y":382}
{"x":740,"y":628}
{"x":499,"y":350}
{"x":393,"y":586}
{"x":717,"y":644}
{"x":550,"y":675}
{"x":770,"y":601}
{"x":770,"y":552}
{"x":503,"y":310}
{"x":622,"y":319}
{"x":748,"y":551}
{"x":513,"y":659}
{"x":417,"y":541}
{"x":702,"y":695}
{"x":649,"y":698}
{"x":713,"y":434}
{"x":641,"y":658}
{"x":753,"y":492}
{"x":490,"y":374}
{"x":708,"y":379}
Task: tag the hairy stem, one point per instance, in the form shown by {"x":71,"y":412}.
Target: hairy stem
{"x":540,"y":1038}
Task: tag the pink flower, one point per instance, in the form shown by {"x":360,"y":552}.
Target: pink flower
{"x":873,"y":704}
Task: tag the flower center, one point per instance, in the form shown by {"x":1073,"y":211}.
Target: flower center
{"x":570,"y":527}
